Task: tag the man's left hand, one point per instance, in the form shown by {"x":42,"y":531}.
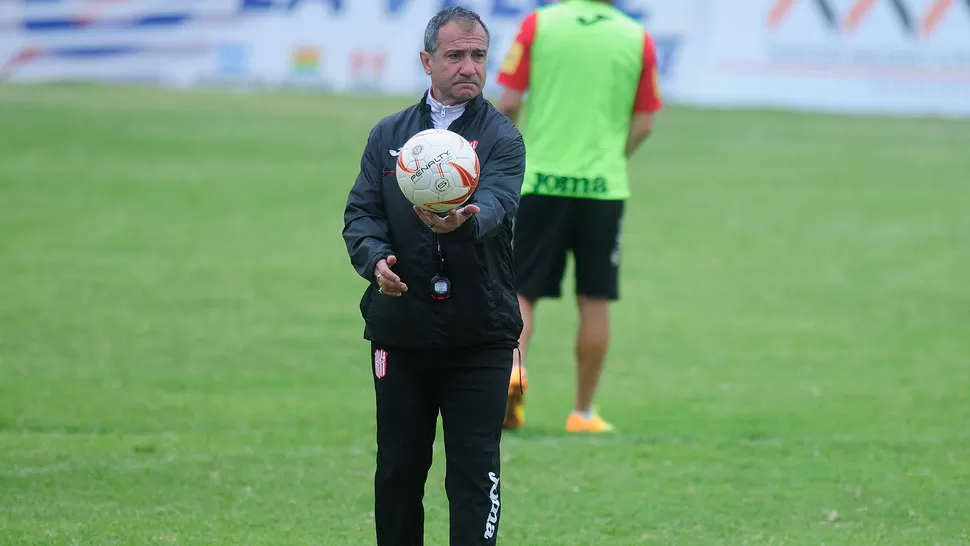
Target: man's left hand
{"x":456,"y":217}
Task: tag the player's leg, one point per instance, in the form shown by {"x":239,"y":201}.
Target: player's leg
{"x":527,"y":307}
{"x":472,"y":388}
{"x":519,"y":380}
{"x":596,"y":248}
{"x":539,"y":252}
{"x":407,"y":416}
{"x":592,"y":343}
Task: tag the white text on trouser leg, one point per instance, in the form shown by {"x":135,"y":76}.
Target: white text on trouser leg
{"x":493,"y":513}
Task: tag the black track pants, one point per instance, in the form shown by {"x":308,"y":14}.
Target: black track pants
{"x":469,"y":388}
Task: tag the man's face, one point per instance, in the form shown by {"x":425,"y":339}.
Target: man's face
{"x":457,"y":68}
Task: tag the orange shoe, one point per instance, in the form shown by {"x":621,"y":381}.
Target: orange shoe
{"x":595,"y":424}
{"x":515,"y":407}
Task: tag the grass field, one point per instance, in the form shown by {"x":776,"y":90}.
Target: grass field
{"x":181,"y":358}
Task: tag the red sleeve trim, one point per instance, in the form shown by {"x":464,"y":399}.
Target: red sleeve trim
{"x":648,"y":98}
{"x":514,"y":72}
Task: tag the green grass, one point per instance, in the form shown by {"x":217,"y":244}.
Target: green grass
{"x":181,"y":357}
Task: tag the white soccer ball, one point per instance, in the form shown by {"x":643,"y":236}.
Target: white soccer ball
{"x":437,"y":170}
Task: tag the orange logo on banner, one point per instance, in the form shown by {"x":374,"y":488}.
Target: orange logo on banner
{"x":858,"y":12}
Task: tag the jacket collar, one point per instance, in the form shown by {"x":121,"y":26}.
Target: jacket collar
{"x":471,"y":107}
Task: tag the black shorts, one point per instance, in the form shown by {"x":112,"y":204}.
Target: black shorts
{"x":548,"y":227}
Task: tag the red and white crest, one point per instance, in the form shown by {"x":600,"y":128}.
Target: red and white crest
{"x":380,"y":363}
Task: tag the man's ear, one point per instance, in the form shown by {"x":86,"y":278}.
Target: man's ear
{"x":426,"y":62}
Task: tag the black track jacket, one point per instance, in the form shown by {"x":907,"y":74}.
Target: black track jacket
{"x":379,"y":221}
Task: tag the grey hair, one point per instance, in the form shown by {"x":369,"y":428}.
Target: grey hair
{"x":457,"y":14}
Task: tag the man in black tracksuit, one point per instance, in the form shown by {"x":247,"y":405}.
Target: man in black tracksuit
{"x":450,"y":355}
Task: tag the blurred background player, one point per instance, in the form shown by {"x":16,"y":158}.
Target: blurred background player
{"x":590,"y":72}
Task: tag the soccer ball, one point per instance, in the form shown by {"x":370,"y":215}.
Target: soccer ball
{"x":437,"y":170}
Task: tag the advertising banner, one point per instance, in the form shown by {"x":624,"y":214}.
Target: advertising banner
{"x":373,"y":45}
{"x":339,"y":45}
{"x":860,"y":56}
{"x":863,"y":56}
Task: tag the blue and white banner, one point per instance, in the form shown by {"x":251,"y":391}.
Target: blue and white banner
{"x":885,"y":56}
{"x":107,"y":40}
{"x":341,"y":45}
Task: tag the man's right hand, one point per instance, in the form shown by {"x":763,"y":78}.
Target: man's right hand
{"x":388,"y":283}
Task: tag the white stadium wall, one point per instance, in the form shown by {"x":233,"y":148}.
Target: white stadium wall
{"x":859,"y":56}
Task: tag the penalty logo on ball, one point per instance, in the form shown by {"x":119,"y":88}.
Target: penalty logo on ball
{"x":438,"y":170}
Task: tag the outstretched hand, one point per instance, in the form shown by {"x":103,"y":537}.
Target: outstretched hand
{"x":456,"y":217}
{"x":388,"y":283}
